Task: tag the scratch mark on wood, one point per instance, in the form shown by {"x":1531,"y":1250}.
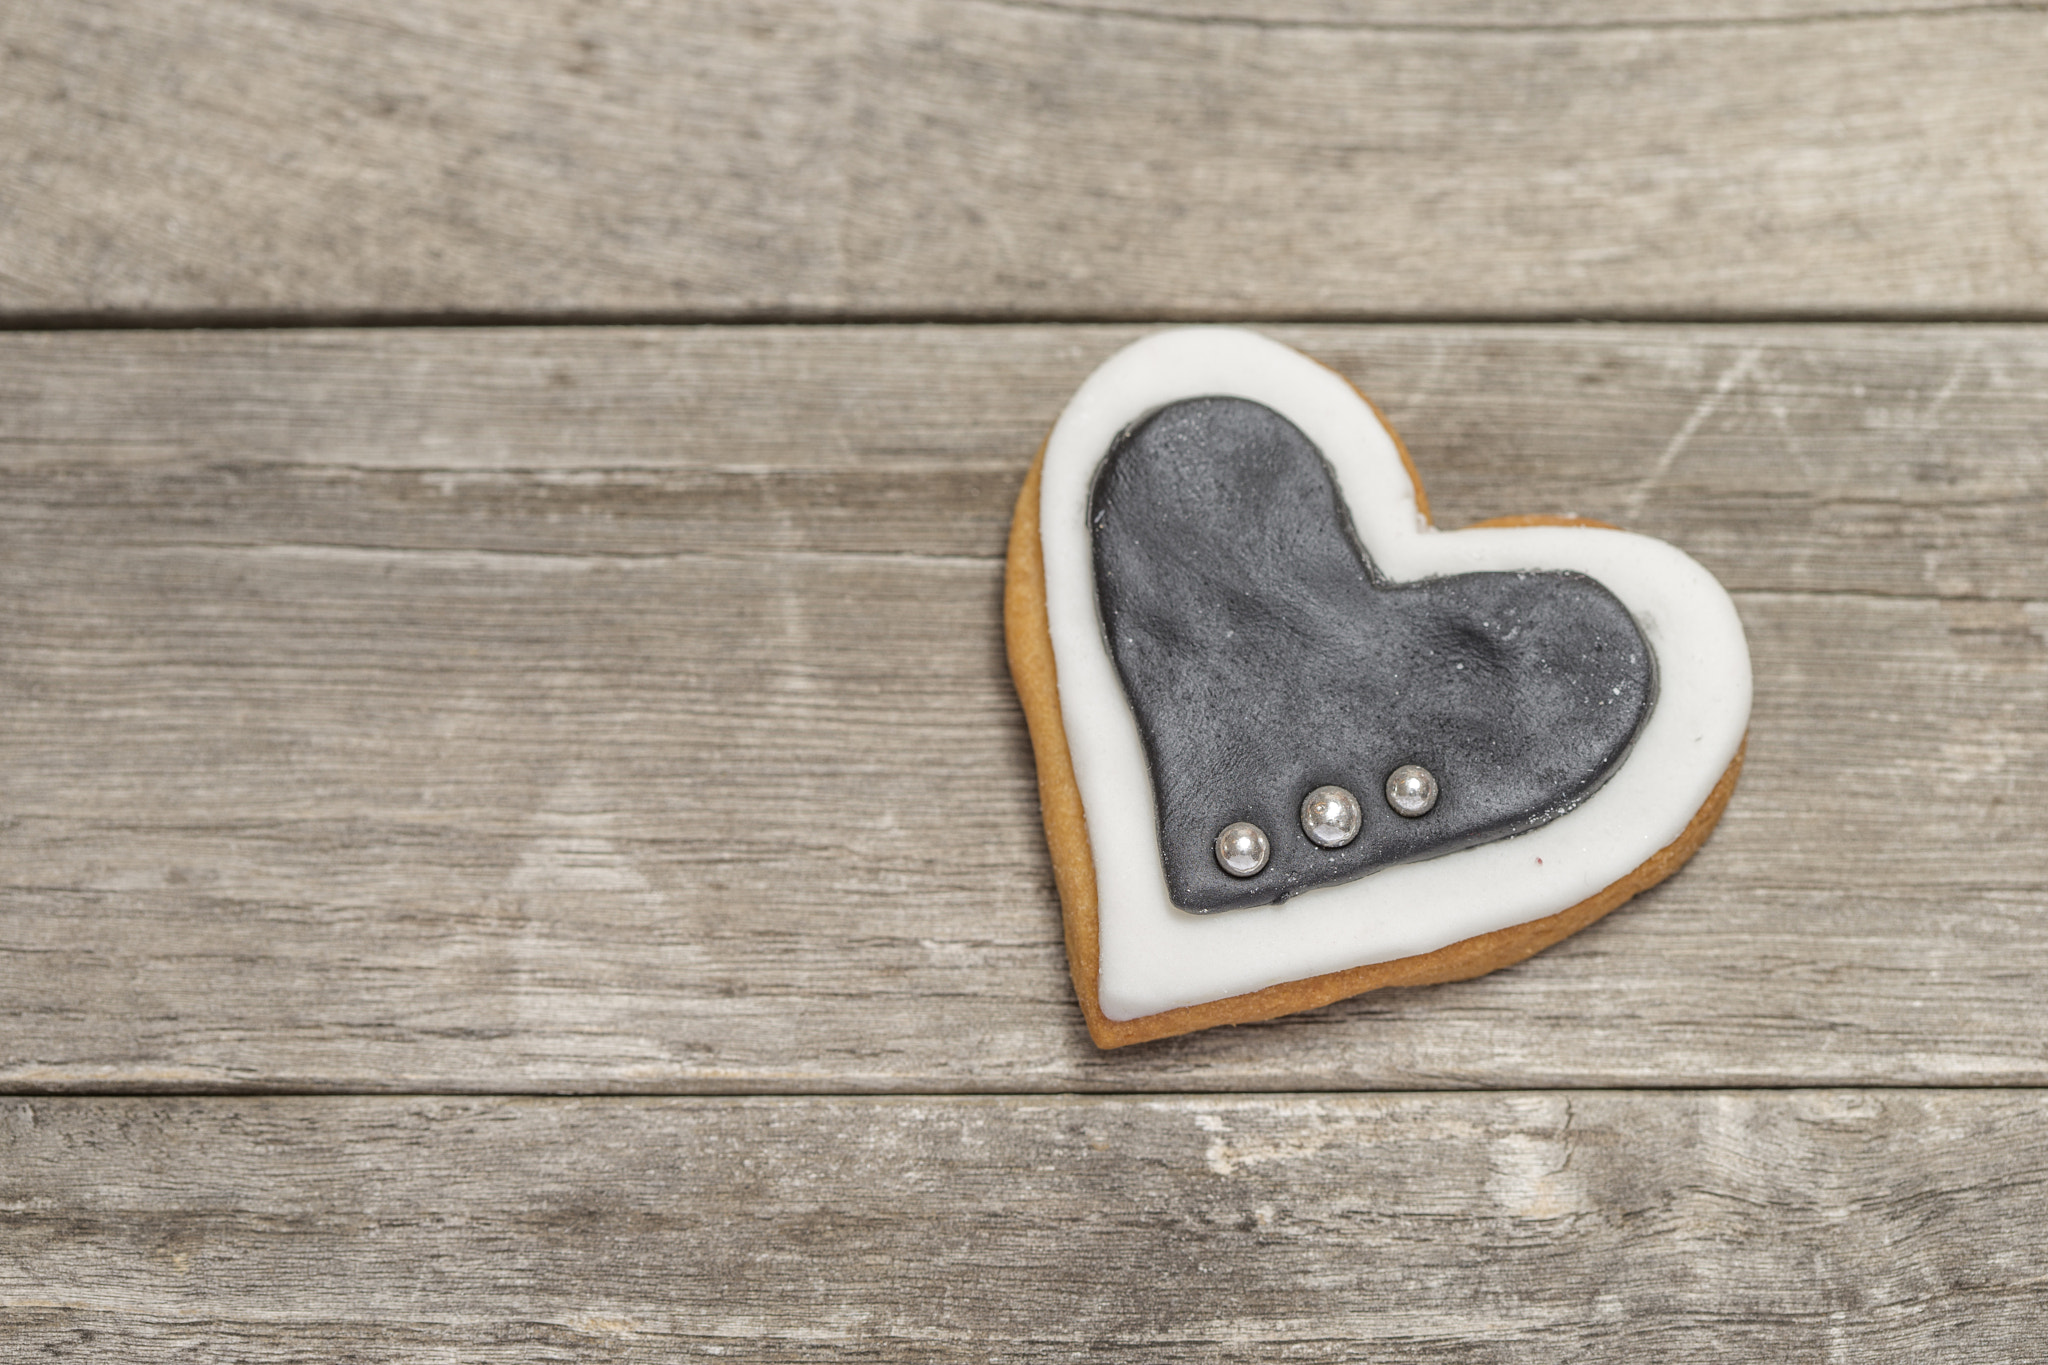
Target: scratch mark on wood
{"x":1730,"y":377}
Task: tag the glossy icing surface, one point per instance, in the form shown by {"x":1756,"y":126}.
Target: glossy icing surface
{"x":1264,"y":657}
{"x":1156,"y":957}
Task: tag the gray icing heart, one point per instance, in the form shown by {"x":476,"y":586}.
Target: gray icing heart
{"x":1265,"y":657}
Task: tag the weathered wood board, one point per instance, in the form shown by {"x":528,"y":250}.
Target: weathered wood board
{"x":404,"y":710}
{"x":1877,"y":1226}
{"x":424,"y":710}
{"x":1180,"y":158}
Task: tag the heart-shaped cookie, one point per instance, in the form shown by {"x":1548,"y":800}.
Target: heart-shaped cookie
{"x":1229,"y":619}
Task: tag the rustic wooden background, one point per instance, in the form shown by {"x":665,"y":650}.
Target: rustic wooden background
{"x":472,"y":470}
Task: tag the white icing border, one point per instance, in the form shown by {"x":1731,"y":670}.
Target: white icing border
{"x":1155,"y":957}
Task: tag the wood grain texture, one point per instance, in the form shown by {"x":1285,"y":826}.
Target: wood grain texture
{"x":404,"y":710}
{"x":827,"y":158}
{"x":1874,"y":1227}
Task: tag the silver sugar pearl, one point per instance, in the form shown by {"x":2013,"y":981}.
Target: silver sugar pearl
{"x":1331,"y":817}
{"x":1411,"y":790}
{"x":1242,"y":849}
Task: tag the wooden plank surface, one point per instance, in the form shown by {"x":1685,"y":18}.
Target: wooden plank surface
{"x":1178,"y":158}
{"x":398,"y":710}
{"x":1878,"y":1227}
{"x":403,"y":710}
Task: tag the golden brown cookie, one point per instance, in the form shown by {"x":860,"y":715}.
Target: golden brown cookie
{"x":1202,"y":390}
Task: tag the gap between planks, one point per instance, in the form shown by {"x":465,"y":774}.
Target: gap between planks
{"x":311,"y":319}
